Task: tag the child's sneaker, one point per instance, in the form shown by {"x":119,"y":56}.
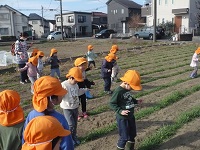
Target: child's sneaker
{"x":22,"y":82}
{"x":79,"y":117}
{"x":85,"y":115}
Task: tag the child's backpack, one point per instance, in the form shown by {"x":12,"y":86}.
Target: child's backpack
{"x":13,"y":49}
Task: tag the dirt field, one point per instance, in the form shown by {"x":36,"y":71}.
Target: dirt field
{"x":164,"y":71}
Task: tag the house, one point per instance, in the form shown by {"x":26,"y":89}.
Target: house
{"x":182,"y":13}
{"x":99,"y":21}
{"x":52,"y":25}
{"x":75,"y":23}
{"x":120,"y":12}
{"x":12,"y":22}
{"x":40,"y":26}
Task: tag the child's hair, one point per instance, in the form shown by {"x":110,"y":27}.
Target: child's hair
{"x":24,"y":34}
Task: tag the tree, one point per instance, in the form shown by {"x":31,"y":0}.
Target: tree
{"x":136,"y":21}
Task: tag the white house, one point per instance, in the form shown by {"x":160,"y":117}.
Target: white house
{"x":183,"y":13}
{"x":75,"y":22}
{"x":12,"y":22}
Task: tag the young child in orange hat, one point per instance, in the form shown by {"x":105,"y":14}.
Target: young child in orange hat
{"x":44,"y":133}
{"x":40,"y":64}
{"x":48,"y":93}
{"x":70,"y":101}
{"x":32,"y":70}
{"x":194,"y":63}
{"x":91,"y":56}
{"x":54,"y":63}
{"x":11,"y":120}
{"x":123,"y":103}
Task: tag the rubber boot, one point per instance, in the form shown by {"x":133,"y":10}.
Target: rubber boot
{"x":130,"y":145}
{"x":118,"y":148}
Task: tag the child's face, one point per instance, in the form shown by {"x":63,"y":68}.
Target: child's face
{"x":72,"y":81}
{"x":83,"y":67}
{"x":127,"y":86}
{"x":40,"y":57}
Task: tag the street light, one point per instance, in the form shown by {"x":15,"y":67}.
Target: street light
{"x":61,"y":15}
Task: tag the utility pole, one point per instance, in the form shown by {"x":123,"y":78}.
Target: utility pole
{"x":61,"y":15}
{"x":155,"y":19}
{"x":42,"y":19}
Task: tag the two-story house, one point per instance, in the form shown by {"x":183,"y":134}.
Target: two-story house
{"x":120,"y":12}
{"x":12,"y":22}
{"x":99,"y":21}
{"x":182,"y":13}
{"x":75,"y":23}
{"x":40,"y":26}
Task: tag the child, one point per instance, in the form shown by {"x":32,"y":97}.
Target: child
{"x":38,"y":134}
{"x":81,"y":63}
{"x":114,"y":49}
{"x":48,"y":93}
{"x":32,"y":70}
{"x":34,"y":52}
{"x":40,"y":65}
{"x":194,"y":63}
{"x":70,"y":101}
{"x":54,"y":62}
{"x":123,"y":104}
{"x":115,"y":71}
{"x":91,"y":56}
{"x":106,"y":71}
{"x":11,"y":120}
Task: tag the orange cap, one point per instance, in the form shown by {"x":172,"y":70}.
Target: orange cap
{"x":76,"y":73}
{"x":40,"y":132}
{"x":10,"y":111}
{"x":34,"y":52}
{"x":115,"y":47}
{"x":40,"y":53}
{"x":132,"y":77}
{"x":43,"y":87}
{"x":79,"y":61}
{"x":53,"y":50}
{"x":33,"y":60}
{"x":90,"y":47}
{"x":111,"y":57}
{"x":197,"y":51}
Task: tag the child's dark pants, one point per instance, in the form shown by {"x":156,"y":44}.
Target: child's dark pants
{"x":23,"y":74}
{"x":83,"y":102}
{"x":107,"y":83}
{"x":127,"y":131}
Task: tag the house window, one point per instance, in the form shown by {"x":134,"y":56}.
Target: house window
{"x":4,"y":16}
{"x":58,"y":19}
{"x":4,"y":31}
{"x":70,"y":19}
{"x":122,"y":11}
{"x":81,"y":19}
{"x":159,"y":2}
{"x":165,"y":2}
{"x":114,"y":11}
{"x":34,"y":22}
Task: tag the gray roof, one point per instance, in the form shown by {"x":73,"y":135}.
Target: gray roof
{"x":12,"y":9}
{"x":34,"y":16}
{"x":127,"y":3}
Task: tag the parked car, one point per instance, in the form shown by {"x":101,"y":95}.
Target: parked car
{"x":56,"y":35}
{"x":147,"y":33}
{"x":104,"y":33}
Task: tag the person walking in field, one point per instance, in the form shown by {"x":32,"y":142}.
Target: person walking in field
{"x":11,"y":120}
{"x":123,"y":103}
{"x":194,"y":63}
{"x":40,"y":64}
{"x":70,"y":102}
{"x":48,"y":93}
{"x":91,"y":56}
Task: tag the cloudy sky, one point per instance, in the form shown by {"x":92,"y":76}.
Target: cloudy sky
{"x":34,"y":6}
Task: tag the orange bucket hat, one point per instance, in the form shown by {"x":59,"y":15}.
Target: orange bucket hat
{"x":90,"y":47}
{"x":113,"y":51}
{"x":115,"y":47}
{"x":132,"y":77}
{"x":10,"y":111}
{"x":40,"y":132}
{"x":79,"y":61}
{"x":40,"y":53}
{"x":43,"y":87}
{"x":35,"y":51}
{"x":33,"y":60}
{"x":197,"y":51}
{"x":111,"y":57}
{"x":76,"y":73}
{"x":53,"y":50}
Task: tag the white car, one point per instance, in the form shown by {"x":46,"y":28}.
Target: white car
{"x":55,"y":36}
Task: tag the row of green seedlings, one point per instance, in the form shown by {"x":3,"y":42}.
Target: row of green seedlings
{"x":163,"y":103}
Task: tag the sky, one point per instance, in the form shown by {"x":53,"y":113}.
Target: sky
{"x":35,"y":6}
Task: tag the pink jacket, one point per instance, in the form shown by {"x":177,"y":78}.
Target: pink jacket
{"x":31,"y":69}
